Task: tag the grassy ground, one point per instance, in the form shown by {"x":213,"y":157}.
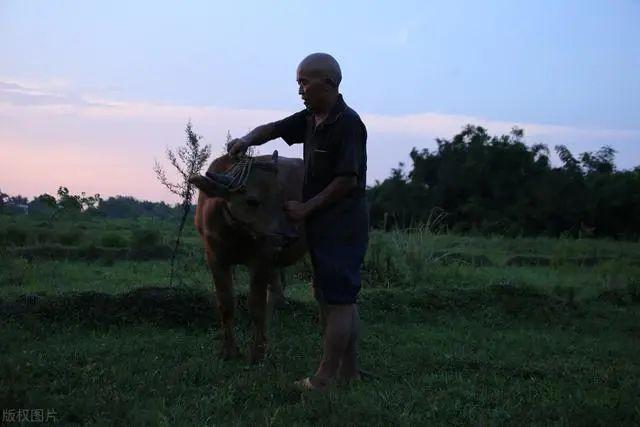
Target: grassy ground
{"x":106,"y":343}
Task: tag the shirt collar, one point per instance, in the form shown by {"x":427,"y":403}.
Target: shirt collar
{"x":336,"y":111}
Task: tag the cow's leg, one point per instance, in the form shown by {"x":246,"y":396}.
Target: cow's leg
{"x":275,"y":294}
{"x":258,"y":312}
{"x":223,"y":284}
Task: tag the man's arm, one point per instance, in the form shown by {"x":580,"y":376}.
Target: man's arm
{"x":258,"y":136}
{"x":339,"y":187}
{"x":291,"y":129}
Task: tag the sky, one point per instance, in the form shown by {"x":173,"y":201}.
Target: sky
{"x":92,"y":93}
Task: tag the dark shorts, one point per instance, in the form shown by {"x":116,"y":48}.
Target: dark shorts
{"x":336,"y":271}
{"x":338,"y":238}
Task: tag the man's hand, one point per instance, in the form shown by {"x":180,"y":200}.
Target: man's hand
{"x":237,"y":147}
{"x":297,"y":211}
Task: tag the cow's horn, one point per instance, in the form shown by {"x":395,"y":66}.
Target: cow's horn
{"x":274,"y":157}
{"x":208,"y":186}
{"x":220,"y":178}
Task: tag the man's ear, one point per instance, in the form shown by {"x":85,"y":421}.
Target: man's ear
{"x":209,"y":187}
{"x":330,"y":83}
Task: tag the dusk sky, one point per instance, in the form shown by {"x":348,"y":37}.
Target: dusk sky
{"x":91,"y":93}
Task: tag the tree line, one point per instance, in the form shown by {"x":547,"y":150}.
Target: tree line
{"x":487,"y":184}
{"x":472,"y":183}
{"x":67,"y":205}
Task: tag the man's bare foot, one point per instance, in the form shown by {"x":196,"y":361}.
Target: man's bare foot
{"x":311,"y":384}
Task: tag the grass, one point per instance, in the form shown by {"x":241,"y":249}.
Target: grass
{"x":106,"y":343}
{"x":470,"y":360}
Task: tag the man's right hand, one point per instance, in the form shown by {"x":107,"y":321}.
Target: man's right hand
{"x":237,"y":147}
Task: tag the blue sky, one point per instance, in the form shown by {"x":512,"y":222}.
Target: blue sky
{"x":94,"y":82}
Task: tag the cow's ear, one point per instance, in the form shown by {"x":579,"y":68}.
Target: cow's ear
{"x":209,"y":186}
{"x":274,"y":157}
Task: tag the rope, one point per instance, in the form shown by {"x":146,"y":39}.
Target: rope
{"x":239,"y":173}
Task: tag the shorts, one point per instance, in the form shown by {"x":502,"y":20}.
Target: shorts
{"x":336,"y":271}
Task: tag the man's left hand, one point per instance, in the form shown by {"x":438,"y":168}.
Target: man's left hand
{"x":297,"y":211}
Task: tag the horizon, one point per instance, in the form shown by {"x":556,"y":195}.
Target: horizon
{"x":98,"y":91}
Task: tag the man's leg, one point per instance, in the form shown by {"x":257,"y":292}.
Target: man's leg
{"x":323,"y":310}
{"x":337,"y":337}
{"x":348,"y":368}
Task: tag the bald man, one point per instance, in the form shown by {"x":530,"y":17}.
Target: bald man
{"x":333,"y":207}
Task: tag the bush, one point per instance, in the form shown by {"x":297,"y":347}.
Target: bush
{"x":45,"y":236}
{"x":113,"y":240}
{"x":385,"y":263}
{"x":14,"y":236}
{"x":147,"y":243}
{"x":144,"y":238}
{"x":70,"y":237}
{"x":15,"y":272}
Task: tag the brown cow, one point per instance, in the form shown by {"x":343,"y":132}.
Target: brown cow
{"x":244,"y":223}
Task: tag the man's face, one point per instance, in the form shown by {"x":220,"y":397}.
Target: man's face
{"x":313,"y":89}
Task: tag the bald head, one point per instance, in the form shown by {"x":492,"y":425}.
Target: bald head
{"x":322,"y":65}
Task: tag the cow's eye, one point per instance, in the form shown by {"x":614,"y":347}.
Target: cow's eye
{"x":253,"y":202}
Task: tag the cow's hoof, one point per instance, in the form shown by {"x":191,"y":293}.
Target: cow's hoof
{"x":230,"y":353}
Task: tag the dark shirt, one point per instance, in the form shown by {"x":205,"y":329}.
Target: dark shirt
{"x":336,"y":147}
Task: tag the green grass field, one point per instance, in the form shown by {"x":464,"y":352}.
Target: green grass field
{"x":457,"y":330}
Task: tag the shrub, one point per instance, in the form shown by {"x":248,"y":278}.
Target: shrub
{"x":14,"y":236}
{"x":70,"y":237}
{"x":144,"y":238}
{"x":45,"y":236}
{"x":15,"y":272}
{"x":385,"y":263}
{"x":114,"y":240}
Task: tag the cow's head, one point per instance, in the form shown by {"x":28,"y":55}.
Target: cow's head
{"x":257,"y":207}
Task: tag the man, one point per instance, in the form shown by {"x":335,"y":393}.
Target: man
{"x":333,"y":207}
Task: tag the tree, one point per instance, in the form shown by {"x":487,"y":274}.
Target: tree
{"x":90,"y":203}
{"x":603,"y":161}
{"x":187,"y":160}
{"x":4,"y":198}
{"x":44,"y":205}
{"x":68,"y":203}
{"x":129,"y":207}
{"x":570,"y":163}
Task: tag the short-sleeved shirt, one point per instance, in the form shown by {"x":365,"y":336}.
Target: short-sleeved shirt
{"x":336,"y":147}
